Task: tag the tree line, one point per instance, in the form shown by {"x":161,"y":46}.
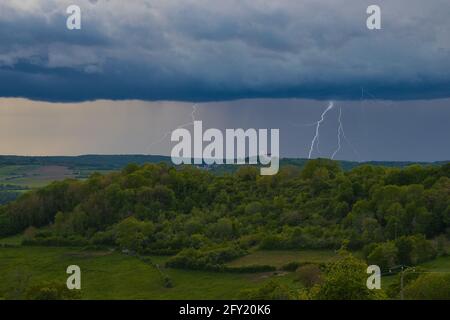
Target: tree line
{"x":393,"y":215}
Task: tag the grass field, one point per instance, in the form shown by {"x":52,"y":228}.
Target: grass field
{"x":111,"y":275}
{"x":441,"y":264}
{"x":278,"y":258}
{"x":18,"y":179}
{"x":15,"y":170}
{"x":35,"y":176}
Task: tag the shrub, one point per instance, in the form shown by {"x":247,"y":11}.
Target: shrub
{"x":429,"y":287}
{"x":213,"y":259}
{"x":291,"y":266}
{"x":105,"y":238}
{"x":309,"y":275}
{"x":51,"y":291}
{"x":269,"y":291}
{"x":56,"y":241}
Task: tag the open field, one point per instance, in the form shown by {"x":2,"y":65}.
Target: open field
{"x":441,"y":264}
{"x":42,"y":176}
{"x":36,"y":176}
{"x":15,"y":170}
{"x":33,"y":176}
{"x":111,"y":275}
{"x":278,"y":258}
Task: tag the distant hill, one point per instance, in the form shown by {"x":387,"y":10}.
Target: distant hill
{"x":116,"y":162}
{"x":104,"y":162}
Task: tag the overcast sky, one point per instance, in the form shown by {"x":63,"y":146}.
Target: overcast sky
{"x":248,"y":63}
{"x":215,"y":50}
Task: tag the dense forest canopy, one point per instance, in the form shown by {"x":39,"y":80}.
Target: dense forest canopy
{"x":207,"y":219}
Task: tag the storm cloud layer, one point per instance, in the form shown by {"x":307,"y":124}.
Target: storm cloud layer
{"x":206,"y":50}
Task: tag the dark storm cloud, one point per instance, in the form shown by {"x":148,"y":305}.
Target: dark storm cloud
{"x":220,"y":50}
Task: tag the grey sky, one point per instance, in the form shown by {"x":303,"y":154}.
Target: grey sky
{"x":378,"y":130}
{"x":207,"y":50}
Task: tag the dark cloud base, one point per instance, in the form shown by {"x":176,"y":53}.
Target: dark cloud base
{"x":68,"y":85}
{"x":224,"y":50}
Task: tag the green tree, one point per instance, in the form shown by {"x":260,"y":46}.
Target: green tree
{"x":345,"y":279}
{"x":131,"y":234}
{"x":384,"y":255}
{"x":405,"y":246}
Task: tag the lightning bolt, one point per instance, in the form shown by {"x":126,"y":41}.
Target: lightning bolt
{"x":340,"y":135}
{"x":348,"y":141}
{"x":340,"y":129}
{"x":194,"y":111}
{"x":318,"y":123}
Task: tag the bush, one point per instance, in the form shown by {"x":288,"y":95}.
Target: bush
{"x":269,"y":291}
{"x":104,"y":238}
{"x":309,"y":275}
{"x":429,"y":287}
{"x":52,"y":291}
{"x":273,"y":242}
{"x":56,"y":241}
{"x":291,"y":266}
{"x":213,"y":259}
{"x":167,"y":282}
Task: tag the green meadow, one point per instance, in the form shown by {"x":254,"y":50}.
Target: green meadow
{"x":279,"y":258}
{"x":114,"y":275}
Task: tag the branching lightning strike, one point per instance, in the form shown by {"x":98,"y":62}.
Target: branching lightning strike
{"x":318,"y":123}
{"x":340,"y":130}
{"x":340,"y":134}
